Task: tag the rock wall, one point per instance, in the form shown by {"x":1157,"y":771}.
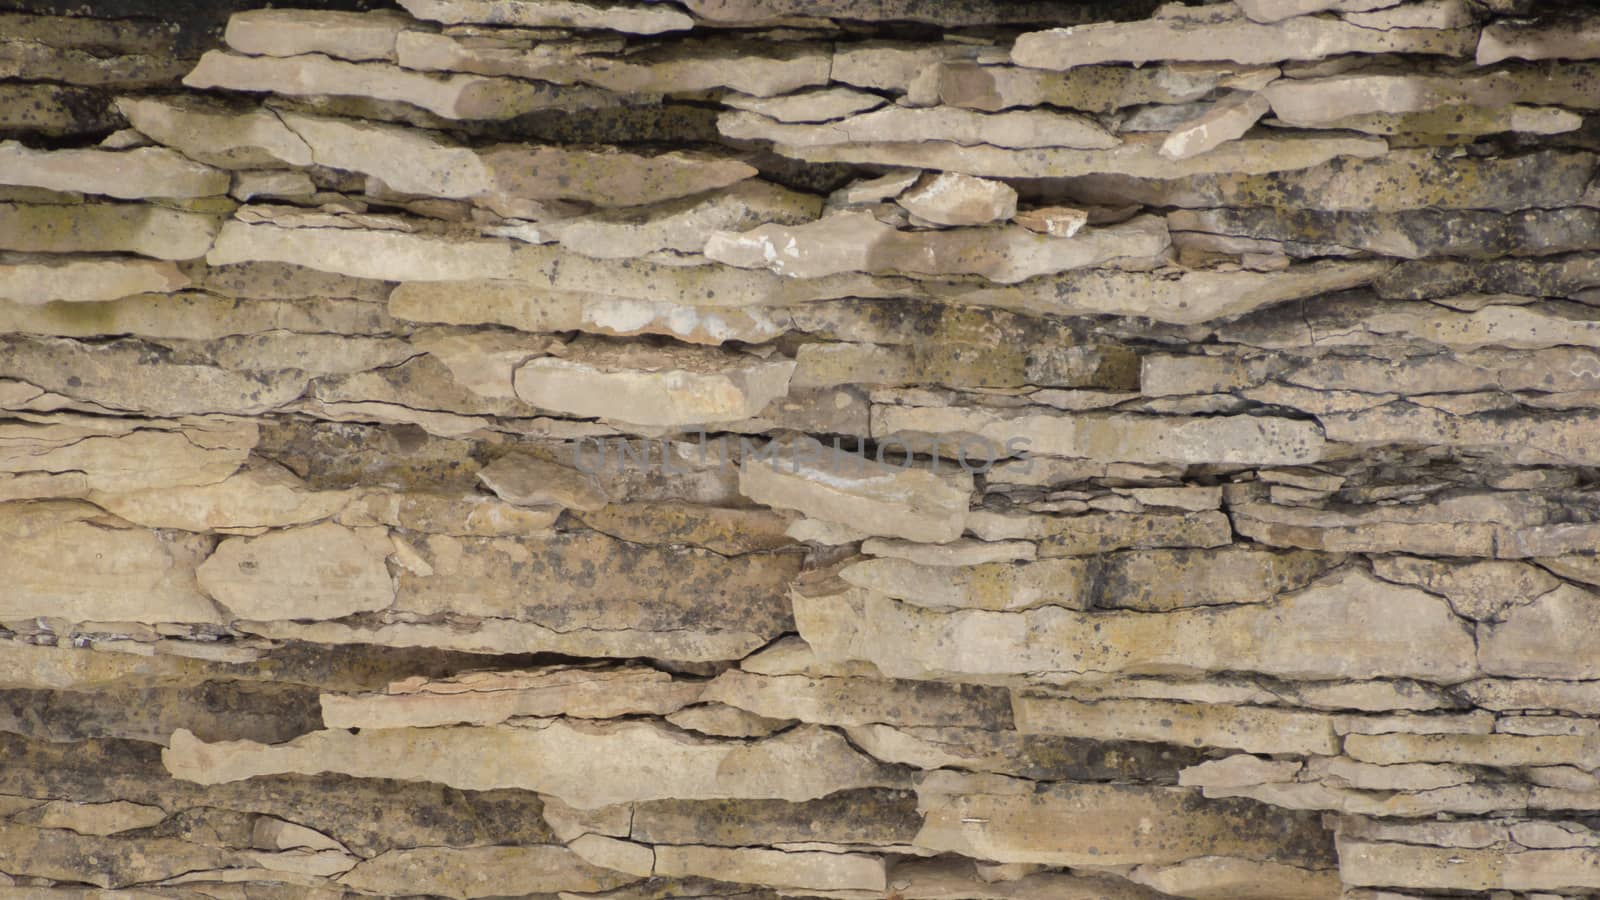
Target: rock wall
{"x":752,"y":448}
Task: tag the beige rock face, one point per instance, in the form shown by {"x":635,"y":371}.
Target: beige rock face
{"x":873,"y":497}
{"x":470,"y":872}
{"x":1228,"y":120}
{"x":1353,"y":611}
{"x":1250,"y":729}
{"x":146,"y":230}
{"x":450,"y":96}
{"x":51,"y":279}
{"x":527,"y":481}
{"x":1237,"y":40}
{"x":587,"y":766}
{"x":667,"y":388}
{"x":406,"y":160}
{"x":216,"y":135}
{"x":787,"y":869}
{"x":610,"y":178}
{"x":130,"y":174}
{"x":993,"y":585}
{"x":322,"y":572}
{"x":1021,"y":129}
{"x":638,"y":19}
{"x":289,"y":32}
{"x":858,"y":242}
{"x":955,"y":199}
{"x":1527,"y":40}
{"x":69,"y":566}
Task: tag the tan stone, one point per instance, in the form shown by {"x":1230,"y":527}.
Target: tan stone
{"x":961,"y":552}
{"x":1416,"y":866}
{"x":217,"y":135}
{"x":469,"y":872}
{"x":1102,"y":532}
{"x":1343,"y":772}
{"x":1252,"y":440}
{"x":324,"y":571}
{"x":582,"y":693}
{"x":858,"y":701}
{"x":1020,"y":129}
{"x":1139,"y":155}
{"x":1160,"y":580}
{"x":145,"y":229}
{"x":638,"y":19}
{"x":721,"y":720}
{"x":1374,"y":624}
{"x":1227,"y":120}
{"x":1056,"y":221}
{"x":1238,"y":40}
{"x":586,"y":765}
{"x":951,"y":198}
{"x":116,"y":454}
{"x":68,"y":566}
{"x":1318,"y":101}
{"x":858,"y":242}
{"x":608,"y":178}
{"x":289,"y":32}
{"x":1226,"y":878}
{"x":1499,"y":750}
{"x":788,"y":869}
{"x":1502,"y":40}
{"x":995,"y":585}
{"x":872,"y":497}
{"x":1238,"y":770}
{"x":1477,"y":590}
{"x":92,"y":818}
{"x":1253,"y":730}
{"x":451,"y":96}
{"x":682,"y":225}
{"x":258,"y":497}
{"x":41,"y":280}
{"x":1553,"y":635}
{"x":1067,"y":824}
{"x":1184,"y":298}
{"x":529,"y":481}
{"x":1278,"y":10}
{"x":407,"y":160}
{"x":129,"y":174}
{"x":821,"y":105}
{"x":654,"y":387}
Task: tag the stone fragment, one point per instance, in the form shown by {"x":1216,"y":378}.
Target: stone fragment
{"x":1477,"y":590}
{"x":470,"y":872}
{"x":1045,"y":757}
{"x":860,"y":701}
{"x":39,"y":280}
{"x":786,"y":869}
{"x":129,"y":174}
{"x":1137,"y":156}
{"x":821,"y":105}
{"x":1225,"y":121}
{"x":1226,"y":878}
{"x":872,"y":497}
{"x":144,"y":229}
{"x":961,"y":552}
{"x":450,"y":96}
{"x":1102,"y":532}
{"x":1575,"y":39}
{"x":994,"y":585}
{"x":1251,"y":729}
{"x":217,"y":135}
{"x":1162,"y":580}
{"x":951,"y":198}
{"x":1373,"y":622}
{"x":586,"y":765}
{"x":1403,"y":179}
{"x":125,"y":454}
{"x":858,"y":242}
{"x":92,"y":818}
{"x":1497,"y":750}
{"x":634,"y":18}
{"x":1056,"y":221}
{"x":290,"y":32}
{"x":1343,"y":772}
{"x":1252,"y":440}
{"x":407,"y":160}
{"x":490,"y":698}
{"x":1319,"y":101}
{"x":730,"y":532}
{"x":254,"y":498}
{"x":1068,"y":824}
{"x":669,"y":387}
{"x":60,"y":855}
{"x":325,"y":571}
{"x":529,"y":481}
{"x":722,"y":720}
{"x":870,"y":817}
{"x":69,"y":566}
{"x":1020,"y":129}
{"x":1277,"y":10}
{"x":1239,"y":770}
{"x":1230,"y":39}
{"x":608,"y":178}
{"x":1545,"y":636}
{"x":1189,"y":298}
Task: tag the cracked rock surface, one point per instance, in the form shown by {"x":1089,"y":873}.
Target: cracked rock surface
{"x":915,"y":449}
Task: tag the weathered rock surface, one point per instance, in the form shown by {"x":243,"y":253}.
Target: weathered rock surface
{"x":855,"y":449}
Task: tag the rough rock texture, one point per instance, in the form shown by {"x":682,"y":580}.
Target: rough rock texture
{"x":922,"y":449}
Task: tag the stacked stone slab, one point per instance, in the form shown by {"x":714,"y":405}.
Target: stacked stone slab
{"x":751,"y":448}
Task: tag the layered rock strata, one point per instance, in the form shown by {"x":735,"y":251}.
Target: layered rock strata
{"x":750,"y":448}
